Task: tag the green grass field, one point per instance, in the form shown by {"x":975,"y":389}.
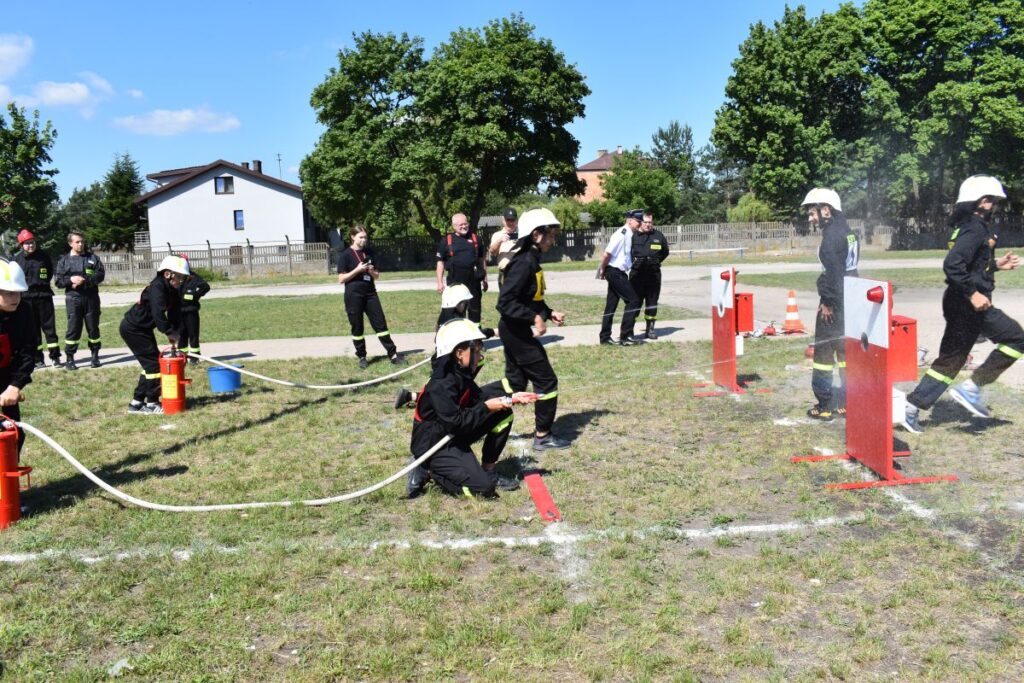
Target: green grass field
{"x":356,"y":591}
{"x":285,"y":317}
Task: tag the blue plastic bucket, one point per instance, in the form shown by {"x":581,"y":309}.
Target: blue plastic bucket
{"x":223,"y":380}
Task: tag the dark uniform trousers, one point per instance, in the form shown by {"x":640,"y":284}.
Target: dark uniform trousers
{"x":829,"y":356}
{"x":963,"y":325}
{"x":526,"y":360}
{"x":646,"y":282}
{"x":359,"y":303}
{"x":619,"y":288}
{"x":82,"y":307}
{"x":142,"y":343}
{"x":190,"y":331}
{"x":455,"y":469}
{"x":43,"y":317}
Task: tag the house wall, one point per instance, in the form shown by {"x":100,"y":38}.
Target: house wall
{"x":594,"y":189}
{"x":193,"y":213}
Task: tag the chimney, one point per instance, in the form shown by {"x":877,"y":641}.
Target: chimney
{"x":601,"y":153}
{"x":257,"y":165}
{"x":618,"y":150}
{"x":245,"y":164}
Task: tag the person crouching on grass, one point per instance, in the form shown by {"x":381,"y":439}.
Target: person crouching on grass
{"x":452,"y":404}
{"x":159,"y":307}
{"x":16,"y":350}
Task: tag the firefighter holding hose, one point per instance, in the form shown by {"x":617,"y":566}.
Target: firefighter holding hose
{"x":16,"y":352}
{"x":158,"y":308}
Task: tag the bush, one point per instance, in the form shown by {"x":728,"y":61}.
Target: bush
{"x":210,"y":275}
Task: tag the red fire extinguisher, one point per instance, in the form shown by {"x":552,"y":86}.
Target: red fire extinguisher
{"x":173,"y":381}
{"x":10,"y":474}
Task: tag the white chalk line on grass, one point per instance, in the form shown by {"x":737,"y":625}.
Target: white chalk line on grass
{"x":553,"y":535}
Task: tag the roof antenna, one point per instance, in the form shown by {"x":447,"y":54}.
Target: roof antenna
{"x":279,"y":166}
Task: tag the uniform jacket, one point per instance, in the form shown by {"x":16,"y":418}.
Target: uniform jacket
{"x":450,"y":403}
{"x":970,"y":264}
{"x":158,"y":307}
{"x":38,"y":273}
{"x":88,"y":265}
{"x":192,"y":289}
{"x":460,"y":256}
{"x":839,"y":254}
{"x":16,"y":351}
{"x":649,"y":249}
{"x":522,"y":289}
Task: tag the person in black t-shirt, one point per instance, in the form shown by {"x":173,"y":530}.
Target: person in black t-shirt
{"x":357,"y":271}
{"x":462,"y":255}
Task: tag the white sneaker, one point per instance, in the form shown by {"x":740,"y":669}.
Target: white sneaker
{"x":153,"y":409}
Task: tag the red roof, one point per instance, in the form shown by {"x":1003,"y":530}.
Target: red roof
{"x":193,"y":171}
{"x":602,"y":163}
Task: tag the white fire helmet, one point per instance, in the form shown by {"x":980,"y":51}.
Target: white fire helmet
{"x":175,"y":264}
{"x":978,"y":186}
{"x":536,"y":218}
{"x":455,"y":332}
{"x":12,"y":277}
{"x":453,"y":295}
{"x":823,"y":195}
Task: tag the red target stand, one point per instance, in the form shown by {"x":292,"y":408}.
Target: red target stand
{"x":876,"y":347}
{"x":732,"y":314}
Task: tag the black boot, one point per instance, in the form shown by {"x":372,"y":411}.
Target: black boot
{"x":95,"y":359}
{"x":651,"y":334}
{"x":55,"y":359}
{"x":70,"y":365}
{"x":39,"y":362}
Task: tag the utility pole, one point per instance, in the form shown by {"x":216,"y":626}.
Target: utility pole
{"x":280,"y":177}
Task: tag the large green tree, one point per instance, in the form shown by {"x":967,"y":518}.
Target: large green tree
{"x":636,"y":182}
{"x":27,"y":190}
{"x":115,"y":216}
{"x":487,"y":113}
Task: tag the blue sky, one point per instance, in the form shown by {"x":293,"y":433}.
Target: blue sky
{"x":183,"y":83}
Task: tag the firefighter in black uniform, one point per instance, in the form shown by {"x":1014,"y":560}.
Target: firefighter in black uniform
{"x":461,"y":254}
{"x":650,"y":248}
{"x":16,"y":361}
{"x":452,"y":404}
{"x":159,"y":307}
{"x":192,"y":290}
{"x":521,"y":304}
{"x":967,"y":307}
{"x":839,"y":254}
{"x":80,"y":272}
{"x":38,"y":269}
{"x":356,"y":270}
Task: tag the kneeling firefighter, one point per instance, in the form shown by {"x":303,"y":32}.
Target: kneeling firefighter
{"x":16,"y":350}
{"x":521,"y":304}
{"x":159,"y":307}
{"x":452,"y":404}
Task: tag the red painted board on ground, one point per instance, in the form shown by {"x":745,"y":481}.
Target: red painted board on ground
{"x":542,"y":498}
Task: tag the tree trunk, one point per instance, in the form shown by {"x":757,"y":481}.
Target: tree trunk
{"x":425,"y":218}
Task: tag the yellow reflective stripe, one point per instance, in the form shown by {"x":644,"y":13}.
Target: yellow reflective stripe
{"x":70,"y":341}
{"x":503,"y":425}
{"x":1010,"y":351}
{"x":359,"y":338}
{"x":189,"y":297}
{"x":40,"y":347}
{"x":95,"y":341}
{"x":841,"y":363}
{"x":54,"y":345}
{"x":650,"y":318}
{"x":939,"y":376}
{"x":548,"y":396}
{"x":151,"y":375}
{"x":506,"y":386}
{"x":821,"y":366}
{"x":466,"y":492}
{"x":384,"y":333}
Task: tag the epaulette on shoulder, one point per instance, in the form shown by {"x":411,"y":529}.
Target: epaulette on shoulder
{"x":623,"y":231}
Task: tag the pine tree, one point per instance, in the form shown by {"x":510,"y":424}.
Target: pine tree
{"x":116,"y":218}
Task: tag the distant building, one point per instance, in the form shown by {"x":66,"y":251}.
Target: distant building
{"x":224,"y":203}
{"x":591,"y":173}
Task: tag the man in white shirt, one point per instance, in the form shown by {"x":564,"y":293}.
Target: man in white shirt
{"x":504,"y":239}
{"x":615,"y":266}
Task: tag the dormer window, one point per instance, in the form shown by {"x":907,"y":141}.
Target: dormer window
{"x":224,"y":185}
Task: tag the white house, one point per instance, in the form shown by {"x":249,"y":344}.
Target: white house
{"x":224,"y":203}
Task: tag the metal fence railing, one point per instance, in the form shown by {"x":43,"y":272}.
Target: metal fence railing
{"x":253,"y":259}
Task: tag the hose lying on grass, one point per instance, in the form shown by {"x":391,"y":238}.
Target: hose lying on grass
{"x":297,"y":385}
{"x":227,"y":506}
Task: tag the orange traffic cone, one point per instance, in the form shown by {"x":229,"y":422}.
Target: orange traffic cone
{"x":792,"y":325}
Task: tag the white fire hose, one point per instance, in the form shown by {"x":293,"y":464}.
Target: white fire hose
{"x":227,"y":506}
{"x":297,"y":385}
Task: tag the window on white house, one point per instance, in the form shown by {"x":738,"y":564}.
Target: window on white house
{"x":239,"y":220}
{"x":224,"y":185}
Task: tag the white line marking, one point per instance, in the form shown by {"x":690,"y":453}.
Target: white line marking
{"x":555,"y":537}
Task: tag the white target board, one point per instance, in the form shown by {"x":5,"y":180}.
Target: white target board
{"x":867,"y":320}
{"x":722,"y":290}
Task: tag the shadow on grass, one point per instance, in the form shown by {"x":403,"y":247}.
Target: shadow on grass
{"x":948,"y":412}
{"x":571,"y":425}
{"x":662,"y":331}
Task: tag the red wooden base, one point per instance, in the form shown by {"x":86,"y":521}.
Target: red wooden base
{"x":896,"y":480}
